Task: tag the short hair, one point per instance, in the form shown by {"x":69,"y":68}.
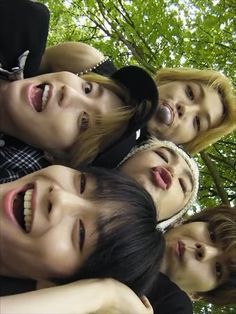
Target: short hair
{"x":221,"y":219}
{"x":222,"y":85}
{"x":129,"y":247}
{"x":97,"y":137}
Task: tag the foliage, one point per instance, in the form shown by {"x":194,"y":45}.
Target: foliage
{"x":156,"y":33}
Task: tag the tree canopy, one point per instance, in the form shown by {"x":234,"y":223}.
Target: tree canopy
{"x":159,"y":33}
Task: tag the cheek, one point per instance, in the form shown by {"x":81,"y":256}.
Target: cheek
{"x":197,"y":278}
{"x":64,"y":132}
{"x":57,"y":255}
{"x":171,"y":201}
{"x":180,"y":136}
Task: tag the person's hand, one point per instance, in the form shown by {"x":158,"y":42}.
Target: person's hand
{"x":122,"y":300}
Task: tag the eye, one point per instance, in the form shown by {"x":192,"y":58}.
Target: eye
{"x":84,"y":122}
{"x":82,"y":183}
{"x":81,"y":235}
{"x":162,"y":155}
{"x":212,"y":236}
{"x":197,"y":123}
{"x":88,"y":87}
{"x":182,"y":185}
{"x":189,"y":92}
{"x":218,"y":270}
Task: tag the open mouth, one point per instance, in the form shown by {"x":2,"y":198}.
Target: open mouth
{"x":22,"y":208}
{"x":165,"y":113}
{"x":161,"y":177}
{"x":39,"y":96}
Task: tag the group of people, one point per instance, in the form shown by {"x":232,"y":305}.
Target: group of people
{"x":96,"y":175}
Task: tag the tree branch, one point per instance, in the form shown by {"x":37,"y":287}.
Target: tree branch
{"x":216,"y":178}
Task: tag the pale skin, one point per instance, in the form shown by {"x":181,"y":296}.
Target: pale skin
{"x":53,"y":245}
{"x":185,"y":105}
{"x":57,"y":103}
{"x":193,"y":260}
{"x":113,"y":298}
{"x":191,"y":253}
{"x":182,"y":104}
{"x":165,"y":175}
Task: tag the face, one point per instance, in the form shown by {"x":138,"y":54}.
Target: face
{"x":193,"y":260}
{"x":165,"y":175}
{"x":48,"y":223}
{"x":52,"y":110}
{"x":185,"y":105}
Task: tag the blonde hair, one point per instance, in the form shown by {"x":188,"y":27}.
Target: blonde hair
{"x":97,"y":137}
{"x":212,"y":79}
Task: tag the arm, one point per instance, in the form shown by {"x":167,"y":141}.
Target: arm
{"x":83,"y":297}
{"x":70,"y":56}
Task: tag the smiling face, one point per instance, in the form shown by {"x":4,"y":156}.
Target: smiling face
{"x":165,"y":175}
{"x":185,"y":110}
{"x":193,"y":259}
{"x":51,"y":111}
{"x":56,"y":231}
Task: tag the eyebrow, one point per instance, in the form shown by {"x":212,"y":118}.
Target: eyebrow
{"x":99,"y":89}
{"x":186,"y":172}
{"x":202,"y":92}
{"x":172,"y":152}
{"x":189,"y":175}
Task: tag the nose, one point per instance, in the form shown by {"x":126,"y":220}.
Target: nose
{"x":183,"y":109}
{"x":171,"y":170}
{"x":58,"y":204}
{"x":204,"y":252}
{"x":72,"y":98}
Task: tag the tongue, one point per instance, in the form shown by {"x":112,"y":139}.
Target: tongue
{"x":18,"y":209}
{"x":164,"y":114}
{"x":158,"y":179}
{"x":36,"y":98}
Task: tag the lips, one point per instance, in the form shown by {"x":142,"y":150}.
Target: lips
{"x":165,"y":113}
{"x":161,"y":177}
{"x":38,"y":96}
{"x":18,"y":206}
{"x":180,"y":248}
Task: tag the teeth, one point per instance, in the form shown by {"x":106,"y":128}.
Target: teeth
{"x":28,"y":209}
{"x":45,"y":96}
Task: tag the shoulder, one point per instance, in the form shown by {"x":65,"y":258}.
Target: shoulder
{"x":167,"y":298}
{"x":18,"y":159}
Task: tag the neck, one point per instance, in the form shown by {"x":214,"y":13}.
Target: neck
{"x":163,"y":268}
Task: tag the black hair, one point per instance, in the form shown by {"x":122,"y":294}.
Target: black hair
{"x":129,"y":247}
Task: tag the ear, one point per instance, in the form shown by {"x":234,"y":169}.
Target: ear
{"x":194,"y":296}
{"x":42,"y":284}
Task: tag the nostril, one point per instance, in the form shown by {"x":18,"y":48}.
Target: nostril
{"x":179,"y":110}
{"x":50,"y":189}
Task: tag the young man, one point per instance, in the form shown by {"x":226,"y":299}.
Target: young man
{"x":29,"y":20}
{"x":199,"y":261}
